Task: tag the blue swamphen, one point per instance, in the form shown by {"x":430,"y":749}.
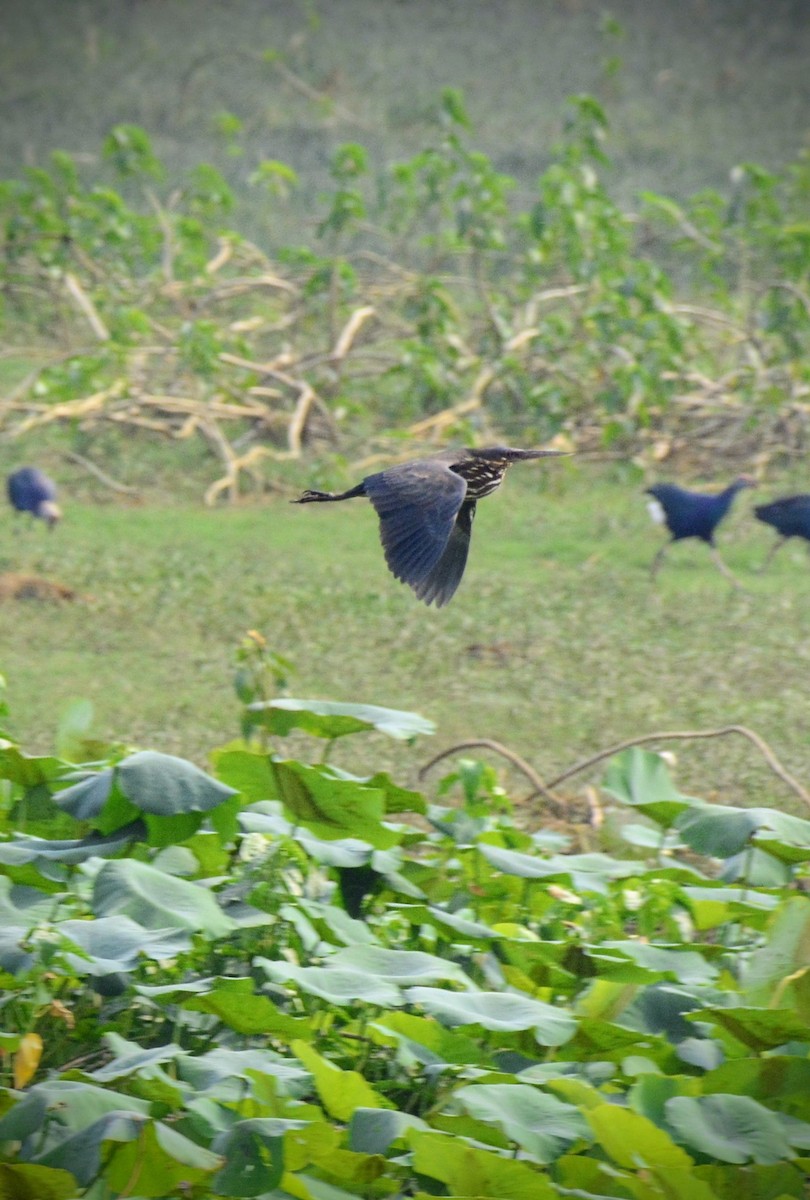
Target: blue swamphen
{"x":31,"y":491}
{"x":426,"y":509}
{"x":692,"y":515}
{"x":789,"y":516}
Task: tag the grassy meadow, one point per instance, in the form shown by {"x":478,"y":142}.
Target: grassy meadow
{"x":556,"y":643}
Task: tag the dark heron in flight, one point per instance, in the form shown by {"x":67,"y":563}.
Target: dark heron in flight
{"x":426,"y":511}
{"x":31,"y":491}
{"x":692,"y":515}
{"x":790,"y":517}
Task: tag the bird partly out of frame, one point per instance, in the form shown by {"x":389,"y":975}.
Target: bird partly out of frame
{"x":693,"y":515}
{"x":32,"y":491}
{"x":790,"y":517}
{"x":426,"y":509}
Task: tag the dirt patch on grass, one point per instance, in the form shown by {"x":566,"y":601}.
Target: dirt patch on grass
{"x":14,"y":586}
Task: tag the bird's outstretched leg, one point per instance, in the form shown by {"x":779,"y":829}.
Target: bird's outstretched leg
{"x":721,"y":566}
{"x":311,"y":497}
{"x":659,"y":558}
{"x":778,"y":544}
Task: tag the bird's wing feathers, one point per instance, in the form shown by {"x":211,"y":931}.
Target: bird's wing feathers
{"x":417,"y":504}
{"x":440,"y":585}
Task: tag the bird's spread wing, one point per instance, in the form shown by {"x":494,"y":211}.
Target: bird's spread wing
{"x":417,"y":504}
{"x":440,"y":585}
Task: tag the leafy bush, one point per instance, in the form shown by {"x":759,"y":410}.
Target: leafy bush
{"x":267,"y":981}
{"x":428,"y":292}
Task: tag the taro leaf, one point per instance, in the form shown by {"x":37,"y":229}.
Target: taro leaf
{"x":734,"y":1129}
{"x":28,"y":771}
{"x":247,"y":771}
{"x":759,"y":1028}
{"x":718,"y":832}
{"x":633,"y":1141}
{"x":398,"y":966}
{"x":337,"y":986}
{"x":685,"y":966}
{"x":116,"y":944}
{"x":783,"y":961}
{"x":156,"y":900}
{"x":500,"y":1011}
{"x":330,"y":719}
{"x":330,"y":807}
{"x":165,"y":785}
{"x":173,"y":793}
{"x":162,"y":1162}
{"x":86,"y":799}
{"x":254,"y":1156}
{"x":234,"y":1002}
{"x":372,"y":1130}
{"x":131,"y":1059}
{"x":542,"y":1125}
{"x":80,"y":1152}
{"x":24,"y":1181}
{"x":340,"y":1092}
{"x":469,"y":1171}
{"x":206,"y":1071}
{"x":640,"y":778}
{"x":25,"y":849}
{"x":423,"y":1040}
{"x":588,"y":872}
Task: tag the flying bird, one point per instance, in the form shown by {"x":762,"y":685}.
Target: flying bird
{"x":426,"y":509}
{"x":31,"y":491}
{"x":692,"y":515}
{"x":790,"y":517}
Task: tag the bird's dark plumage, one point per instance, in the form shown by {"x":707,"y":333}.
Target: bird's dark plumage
{"x":426,"y":509}
{"x":31,"y":491}
{"x":790,"y":517}
{"x":693,"y":514}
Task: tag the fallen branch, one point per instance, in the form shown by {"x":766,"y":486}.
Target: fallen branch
{"x":520,"y":764}
{"x":72,"y":456}
{"x":87,"y":307}
{"x":684,"y":735}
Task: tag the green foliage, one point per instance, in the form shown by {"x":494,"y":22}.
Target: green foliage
{"x":489,"y":1012}
{"x":555,"y":311}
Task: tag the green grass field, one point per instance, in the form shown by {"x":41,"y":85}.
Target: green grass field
{"x":556,"y":644}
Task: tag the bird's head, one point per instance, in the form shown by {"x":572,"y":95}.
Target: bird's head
{"x":50,"y":512}
{"x":744,"y":481}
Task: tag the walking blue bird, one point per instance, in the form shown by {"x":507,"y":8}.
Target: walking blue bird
{"x":31,"y":491}
{"x":693,"y":515}
{"x":790,"y":517}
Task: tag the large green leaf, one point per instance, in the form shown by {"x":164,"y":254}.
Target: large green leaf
{"x":734,"y":1129}
{"x":23,"y":1181}
{"x":165,"y":785}
{"x":254,"y":1156}
{"x":330,"y":719}
{"x":160,"y":1162}
{"x":116,"y":943}
{"x":341,"y":1092}
{"x":501,"y":1011}
{"x":633,"y":1141}
{"x":338,"y":986}
{"x":652,"y":962}
{"x":372,"y":1130}
{"x":469,"y":1171}
{"x":640,"y":778}
{"x":331,"y":807}
{"x":37,"y":850}
{"x":541,"y":1125}
{"x":156,"y":900}
{"x":759,"y":1028}
{"x":398,"y":966}
{"x":587,"y":872}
